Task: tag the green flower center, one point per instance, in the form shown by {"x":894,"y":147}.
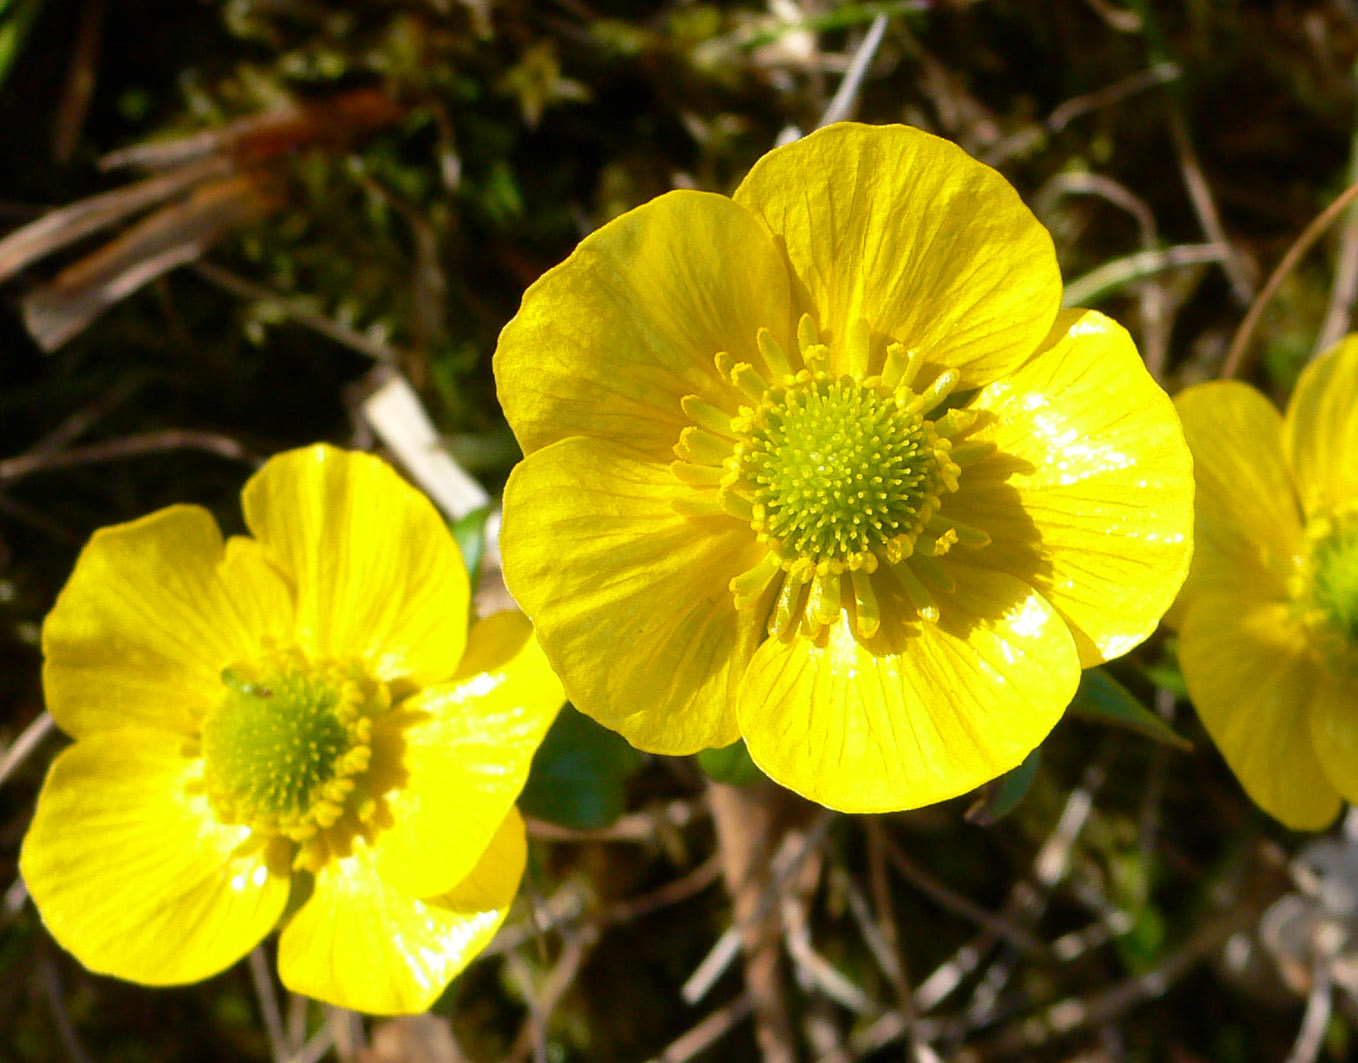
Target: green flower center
{"x":285,"y":747}
{"x":838,"y":470}
{"x":1329,"y":589}
{"x":841,"y":475}
{"x":1336,"y":588}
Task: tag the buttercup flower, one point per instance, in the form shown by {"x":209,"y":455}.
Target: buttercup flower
{"x":296,"y":722}
{"x":823,"y":466}
{"x":1269,"y":614}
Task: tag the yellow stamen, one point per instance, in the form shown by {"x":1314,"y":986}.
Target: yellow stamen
{"x":917,"y":592}
{"x":856,"y":349}
{"x":969,"y":453}
{"x":750,"y":585}
{"x":707,"y":416}
{"x":932,"y":573}
{"x":823,"y":602}
{"x":773,"y":354}
{"x":787,"y":607}
{"x":701,"y":447}
{"x":697,"y":475}
{"x":901,"y":367}
{"x":867,"y":616}
{"x":699,"y":504}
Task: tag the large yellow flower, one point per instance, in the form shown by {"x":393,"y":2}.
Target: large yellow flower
{"x":911,"y":498}
{"x":299,"y":720}
{"x":1269,"y":614}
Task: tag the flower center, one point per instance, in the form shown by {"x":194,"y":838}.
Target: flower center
{"x":285,"y":747}
{"x":838,"y":470}
{"x":841,"y":474}
{"x":1328,"y":591}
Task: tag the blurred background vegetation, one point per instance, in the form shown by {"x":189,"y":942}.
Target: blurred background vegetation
{"x":265,"y":202}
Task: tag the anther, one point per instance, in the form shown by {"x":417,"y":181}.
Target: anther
{"x":964,"y":534}
{"x":775,"y":358}
{"x":786,"y":608}
{"x":747,"y":379}
{"x":932,"y":573}
{"x":867,"y":617}
{"x":856,"y":349}
{"x":939,"y":390}
{"x":701,"y":447}
{"x":807,"y":334}
{"x":901,"y":367}
{"x":750,"y":585}
{"x":969,"y":453}
{"x":920,"y":597}
{"x":696,"y":504}
{"x":697,"y":475}
{"x":823,"y":601}
{"x":705,"y":415}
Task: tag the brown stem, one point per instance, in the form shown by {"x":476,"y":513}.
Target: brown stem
{"x":747,"y":833}
{"x":1309,"y":236}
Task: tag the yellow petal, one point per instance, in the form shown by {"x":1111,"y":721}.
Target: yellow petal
{"x":1089,"y":495}
{"x":1248,"y":530}
{"x":132,"y":873}
{"x":468,"y":746}
{"x":906,"y":231}
{"x":609,"y":342}
{"x":1334,"y":730}
{"x":1320,"y":434}
{"x":377,"y":572}
{"x":1251,"y":678}
{"x":630,"y":598}
{"x":360,"y":943}
{"x":919,"y":713}
{"x":153,"y":612}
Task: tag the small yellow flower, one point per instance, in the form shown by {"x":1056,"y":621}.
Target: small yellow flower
{"x":1269,"y":614}
{"x":911,"y":497}
{"x":299,"y":720}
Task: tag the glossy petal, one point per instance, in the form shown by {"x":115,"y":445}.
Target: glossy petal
{"x":377,"y":572}
{"x":919,"y":713}
{"x":468,"y":748}
{"x":1320,"y":434}
{"x":1250,"y":676}
{"x":360,"y":943}
{"x":1334,"y":730}
{"x":132,"y":873}
{"x":153,"y":612}
{"x":609,"y":342}
{"x":906,"y":231}
{"x":1089,"y":496}
{"x":1248,"y":530}
{"x":629,"y":597}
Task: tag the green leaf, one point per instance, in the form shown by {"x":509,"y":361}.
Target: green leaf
{"x":16,"y":18}
{"x":579,"y":775}
{"x":470,"y":533}
{"x":1006,"y":793}
{"x":730,"y":764}
{"x":1102,"y":699}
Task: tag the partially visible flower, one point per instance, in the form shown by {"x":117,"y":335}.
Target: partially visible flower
{"x":912,"y":498}
{"x":298,"y":721}
{"x":1269,"y":614}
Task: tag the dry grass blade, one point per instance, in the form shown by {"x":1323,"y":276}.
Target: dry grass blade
{"x":702,"y":1036}
{"x":170,"y":237}
{"x":332,"y":122}
{"x":125,"y":447}
{"x":60,"y":228}
{"x":25,"y":744}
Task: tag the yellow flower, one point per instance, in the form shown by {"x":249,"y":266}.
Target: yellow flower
{"x":911,"y":497}
{"x":296,"y":721}
{"x":1269,"y":614}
